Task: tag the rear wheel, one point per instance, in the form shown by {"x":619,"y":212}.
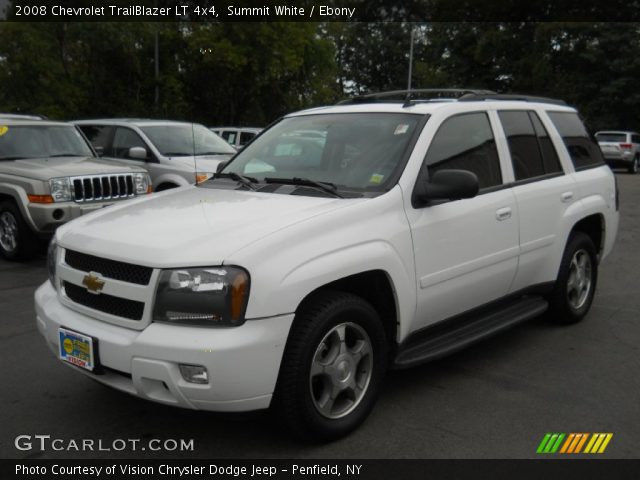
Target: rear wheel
{"x":576,"y":284}
{"x":633,"y":168}
{"x":17,"y":241}
{"x":333,"y":366}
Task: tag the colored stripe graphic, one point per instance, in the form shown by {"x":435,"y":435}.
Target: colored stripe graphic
{"x":573,"y":443}
{"x":550,"y":443}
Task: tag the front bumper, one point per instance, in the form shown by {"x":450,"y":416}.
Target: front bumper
{"x":243,"y":362}
{"x":45,"y":218}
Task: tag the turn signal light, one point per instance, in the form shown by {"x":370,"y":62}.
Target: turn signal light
{"x":40,"y":198}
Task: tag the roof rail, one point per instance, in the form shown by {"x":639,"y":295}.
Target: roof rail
{"x":410,"y":97}
{"x":475,"y":97}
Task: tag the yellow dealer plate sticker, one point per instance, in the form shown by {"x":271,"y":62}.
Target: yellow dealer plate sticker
{"x":76,"y":349}
{"x":3,"y":129}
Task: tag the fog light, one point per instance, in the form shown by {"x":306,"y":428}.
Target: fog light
{"x":194,"y":373}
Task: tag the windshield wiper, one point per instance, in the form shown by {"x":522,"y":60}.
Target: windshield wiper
{"x":14,"y":157}
{"x":327,"y":187}
{"x":66,"y":155}
{"x":215,"y":153}
{"x":176,"y":154}
{"x":244,"y":180}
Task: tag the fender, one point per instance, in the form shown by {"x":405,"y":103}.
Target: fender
{"x":288,"y":265}
{"x":21,"y":199}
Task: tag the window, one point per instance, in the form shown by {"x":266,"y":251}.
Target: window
{"x":549,"y":155}
{"x":635,"y":138}
{"x":245,"y":137}
{"x":229,"y":136}
{"x":123,"y":140}
{"x":532,"y":152}
{"x":358,"y":152}
{"x":466,"y":142}
{"x":98,"y":135}
{"x":611,"y":137}
{"x":583,"y":149}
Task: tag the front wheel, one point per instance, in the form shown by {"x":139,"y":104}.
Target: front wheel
{"x":633,"y":168}
{"x":576,"y":284}
{"x":17,"y":241}
{"x":333,"y":365}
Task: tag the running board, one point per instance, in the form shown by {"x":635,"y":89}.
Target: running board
{"x":453,"y":335}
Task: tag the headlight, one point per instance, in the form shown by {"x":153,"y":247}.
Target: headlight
{"x":60,"y":189}
{"x":202,"y":296}
{"x":203,"y":176}
{"x":142,"y":183}
{"x":52,"y":255}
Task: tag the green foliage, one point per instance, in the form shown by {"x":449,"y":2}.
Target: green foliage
{"x":252,"y":73}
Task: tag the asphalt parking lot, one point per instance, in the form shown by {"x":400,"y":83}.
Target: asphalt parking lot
{"x":496,"y":399}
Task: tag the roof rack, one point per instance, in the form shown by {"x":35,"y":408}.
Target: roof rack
{"x":410,"y":97}
{"x":473,"y":97}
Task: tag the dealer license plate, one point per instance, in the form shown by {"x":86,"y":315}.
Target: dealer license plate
{"x":76,"y":349}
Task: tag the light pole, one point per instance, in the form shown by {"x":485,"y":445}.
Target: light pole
{"x":410,"y":59}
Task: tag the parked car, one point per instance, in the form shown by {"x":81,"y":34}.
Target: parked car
{"x":50,"y":175}
{"x":174,"y":153}
{"x":423,"y":227}
{"x":620,"y":149}
{"x":237,"y":136}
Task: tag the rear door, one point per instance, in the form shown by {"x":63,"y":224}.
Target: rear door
{"x":543,"y":192}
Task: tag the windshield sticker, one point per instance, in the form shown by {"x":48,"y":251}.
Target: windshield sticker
{"x":3,"y":129}
{"x":376,"y":179}
{"x":401,"y":129}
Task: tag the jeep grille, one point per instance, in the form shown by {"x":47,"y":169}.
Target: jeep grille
{"x":102,"y":187}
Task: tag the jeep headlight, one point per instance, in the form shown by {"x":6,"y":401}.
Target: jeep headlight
{"x":141,"y":183}
{"x":52,"y":255}
{"x":202,"y":296}
{"x":60,"y":189}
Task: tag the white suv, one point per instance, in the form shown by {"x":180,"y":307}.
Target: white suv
{"x":344,"y":241}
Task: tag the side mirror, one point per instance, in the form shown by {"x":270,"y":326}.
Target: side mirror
{"x":220,"y":166}
{"x":99,"y":151}
{"x":448,"y":185}
{"x":138,"y":153}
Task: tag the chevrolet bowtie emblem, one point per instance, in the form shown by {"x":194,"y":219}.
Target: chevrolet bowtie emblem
{"x":93,"y":283}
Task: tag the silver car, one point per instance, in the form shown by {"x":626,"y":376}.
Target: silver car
{"x":621,"y":149}
{"x":174,"y":153}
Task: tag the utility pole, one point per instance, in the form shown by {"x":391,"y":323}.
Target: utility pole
{"x":410,"y":59}
{"x":157,"y":65}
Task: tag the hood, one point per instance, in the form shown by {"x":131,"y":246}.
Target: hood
{"x":189,"y":226}
{"x":46,"y":168}
{"x":202,"y":163}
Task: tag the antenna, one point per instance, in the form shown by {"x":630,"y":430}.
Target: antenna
{"x":408,"y":98}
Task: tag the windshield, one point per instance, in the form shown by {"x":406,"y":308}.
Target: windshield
{"x":37,"y":141}
{"x":182,"y":140}
{"x":353,"y":151}
{"x":611,"y":137}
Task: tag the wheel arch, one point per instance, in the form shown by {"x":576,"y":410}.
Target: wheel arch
{"x":375,"y":287}
{"x":594,"y":227}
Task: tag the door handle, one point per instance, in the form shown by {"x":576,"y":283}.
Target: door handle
{"x":503,"y":213}
{"x":566,"y":196}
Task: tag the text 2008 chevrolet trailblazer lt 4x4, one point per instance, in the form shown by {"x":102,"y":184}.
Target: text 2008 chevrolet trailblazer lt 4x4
{"x":343,"y":241}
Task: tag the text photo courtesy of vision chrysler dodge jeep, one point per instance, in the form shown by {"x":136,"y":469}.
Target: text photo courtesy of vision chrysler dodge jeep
{"x":383,"y":232}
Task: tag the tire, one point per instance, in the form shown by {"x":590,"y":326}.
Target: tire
{"x":633,"y":168}
{"x":17,"y":241}
{"x":575,"y":286}
{"x":333,"y":365}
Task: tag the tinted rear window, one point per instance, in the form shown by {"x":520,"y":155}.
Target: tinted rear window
{"x":612,"y":137}
{"x":582,"y":147}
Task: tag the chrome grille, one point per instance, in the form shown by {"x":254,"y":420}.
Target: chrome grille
{"x":102,"y":187}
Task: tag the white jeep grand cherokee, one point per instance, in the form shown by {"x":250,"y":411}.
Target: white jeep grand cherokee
{"x":343,"y":241}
